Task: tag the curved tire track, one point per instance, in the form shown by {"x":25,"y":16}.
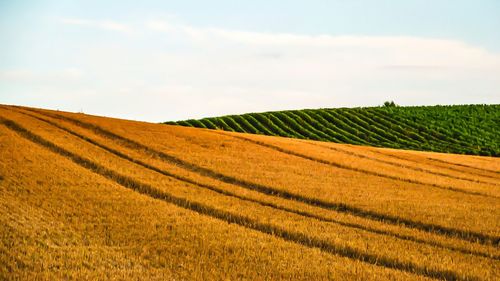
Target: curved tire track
{"x":340,"y":207}
{"x":400,"y":165}
{"x":262,"y":203}
{"x":294,"y":237}
{"x":341,"y":166}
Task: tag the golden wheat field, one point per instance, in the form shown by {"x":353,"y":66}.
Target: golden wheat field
{"x":93,"y":198}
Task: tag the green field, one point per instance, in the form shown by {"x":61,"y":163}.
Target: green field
{"x":463,"y":129}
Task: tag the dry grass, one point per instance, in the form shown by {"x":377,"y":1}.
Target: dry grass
{"x":83,"y":203}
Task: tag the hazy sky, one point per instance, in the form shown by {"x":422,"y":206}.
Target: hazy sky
{"x":171,"y":60}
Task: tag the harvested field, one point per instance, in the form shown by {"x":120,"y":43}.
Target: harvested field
{"x":84,"y":197}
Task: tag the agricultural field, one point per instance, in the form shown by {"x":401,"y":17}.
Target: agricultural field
{"x":88,"y":197}
{"x":460,"y":129}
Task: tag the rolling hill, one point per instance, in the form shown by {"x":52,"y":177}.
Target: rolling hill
{"x":462,"y":129}
{"x":88,"y":197}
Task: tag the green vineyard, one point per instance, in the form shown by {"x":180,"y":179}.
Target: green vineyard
{"x":463,"y":129}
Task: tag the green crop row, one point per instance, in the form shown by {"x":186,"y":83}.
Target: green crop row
{"x":464,"y":129}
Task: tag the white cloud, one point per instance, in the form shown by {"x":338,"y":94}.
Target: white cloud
{"x":30,"y":76}
{"x":398,"y":50}
{"x":174,"y":71}
{"x":100,"y":24}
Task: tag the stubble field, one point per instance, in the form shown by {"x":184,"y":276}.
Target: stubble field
{"x":86,"y":197}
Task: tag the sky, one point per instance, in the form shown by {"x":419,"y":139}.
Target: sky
{"x":173,"y":60}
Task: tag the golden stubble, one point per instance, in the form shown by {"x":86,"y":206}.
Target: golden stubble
{"x":250,"y":162}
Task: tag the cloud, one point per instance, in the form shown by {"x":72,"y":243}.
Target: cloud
{"x":30,"y":76}
{"x":171,"y":71}
{"x":229,"y":71}
{"x":99,"y":24}
{"x":414,"y":67}
{"x":401,"y":51}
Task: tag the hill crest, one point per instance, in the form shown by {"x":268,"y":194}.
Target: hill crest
{"x":461,"y":129}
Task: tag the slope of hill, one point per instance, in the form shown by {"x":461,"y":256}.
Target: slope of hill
{"x":463,"y":129}
{"x":86,"y":197}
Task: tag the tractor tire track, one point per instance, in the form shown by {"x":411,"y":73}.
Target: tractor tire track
{"x":228,"y":217}
{"x":399,"y":165}
{"x":449,"y":165}
{"x":339,"y":207}
{"x":262,"y":203}
{"x":345,"y":167}
{"x":463,"y":165}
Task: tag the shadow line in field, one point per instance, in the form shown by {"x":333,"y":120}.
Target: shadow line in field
{"x":345,"y":167}
{"x":399,"y":165}
{"x":248,"y":223}
{"x":462,"y":165}
{"x":259,"y":202}
{"x":340,"y":207}
{"x":449,"y":165}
